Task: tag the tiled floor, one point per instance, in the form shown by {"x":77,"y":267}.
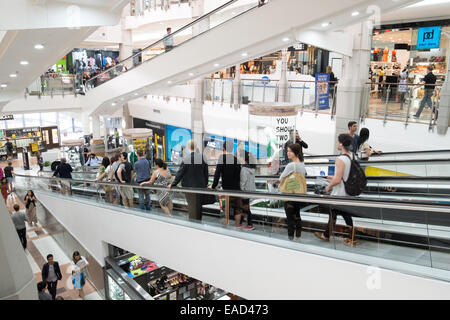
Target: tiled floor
{"x":39,"y":245}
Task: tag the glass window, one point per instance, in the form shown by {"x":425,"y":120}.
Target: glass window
{"x":16,"y":123}
{"x":2,"y":124}
{"x":65,"y":123}
{"x":49,"y":119}
{"x":32,"y":119}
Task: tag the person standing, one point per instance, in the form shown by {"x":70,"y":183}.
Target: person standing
{"x":19,"y":218}
{"x":352,"y":129}
{"x":93,"y":161}
{"x":228,"y":169}
{"x":248,"y":184}
{"x":168,"y":40}
{"x":123,"y":176}
{"x":364,"y":148}
{"x":40,"y":161}
{"x":9,"y":148}
{"x":161,"y":177}
{"x":9,"y":175}
{"x":64,"y":172}
{"x":142,"y":168}
{"x":51,"y":273}
{"x":292,"y":208}
{"x":429,"y":81}
{"x":336,"y":183}
{"x":193,"y":173}
{"x":333,"y":81}
{"x":5,"y":191}
{"x":30,"y":205}
{"x":116,"y":137}
{"x":298,"y":141}
{"x":79,"y":273}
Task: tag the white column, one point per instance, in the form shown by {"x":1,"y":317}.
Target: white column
{"x":355,"y":72}
{"x":198,"y":9}
{"x":96,"y":127}
{"x":86,"y":123}
{"x":127,"y":117}
{"x":443,"y":121}
{"x":283,"y":84}
{"x":126,"y":45}
{"x":237,"y":86}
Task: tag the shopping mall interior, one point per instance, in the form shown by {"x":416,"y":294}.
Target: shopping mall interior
{"x":116,"y":118}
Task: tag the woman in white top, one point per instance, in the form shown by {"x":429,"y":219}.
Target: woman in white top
{"x":79,"y":273}
{"x":336,"y":183}
{"x":364,"y":149}
{"x":292,"y":208}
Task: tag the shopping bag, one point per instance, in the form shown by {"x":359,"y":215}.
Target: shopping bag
{"x":11,"y":200}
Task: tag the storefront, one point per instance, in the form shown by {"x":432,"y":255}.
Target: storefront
{"x":131,"y":277}
{"x":408,"y":50}
{"x":159,"y":135}
{"x":23,"y":139}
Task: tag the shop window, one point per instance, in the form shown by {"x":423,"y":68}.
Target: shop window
{"x":16,"y":123}
{"x":32,"y":119}
{"x":49,"y":119}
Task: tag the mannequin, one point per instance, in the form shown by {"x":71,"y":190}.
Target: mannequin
{"x":394,"y":56}
{"x":385,"y":54}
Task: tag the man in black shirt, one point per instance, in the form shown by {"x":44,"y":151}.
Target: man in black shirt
{"x":64,"y":171}
{"x":9,"y":148}
{"x":9,"y":175}
{"x":429,"y":81}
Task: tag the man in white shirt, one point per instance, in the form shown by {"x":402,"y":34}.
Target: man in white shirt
{"x":93,"y":161}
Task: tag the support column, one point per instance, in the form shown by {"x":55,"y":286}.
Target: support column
{"x":355,"y":72}
{"x":198,"y":9}
{"x":86,"y":123}
{"x":126,"y":45}
{"x":443,"y":121}
{"x":237,"y":87}
{"x":96,"y":127}
{"x":283,"y":84}
{"x":127,"y":117}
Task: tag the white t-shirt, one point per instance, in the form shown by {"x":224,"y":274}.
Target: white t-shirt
{"x":294,"y":167}
{"x":362,"y":150}
{"x":339,"y":190}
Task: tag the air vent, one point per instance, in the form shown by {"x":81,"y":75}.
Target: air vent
{"x":156,"y":111}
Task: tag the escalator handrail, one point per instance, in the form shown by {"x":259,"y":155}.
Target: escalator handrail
{"x":382,"y":154}
{"x":404,"y":204}
{"x":207,"y":15}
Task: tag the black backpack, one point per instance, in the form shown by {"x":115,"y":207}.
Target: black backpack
{"x":126,"y":174}
{"x":357,"y":181}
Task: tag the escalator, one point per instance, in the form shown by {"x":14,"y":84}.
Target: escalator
{"x":220,"y":35}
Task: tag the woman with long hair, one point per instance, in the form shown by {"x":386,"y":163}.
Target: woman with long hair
{"x":162,"y":177}
{"x":79,"y":273}
{"x":30,"y":205}
{"x":363,"y":148}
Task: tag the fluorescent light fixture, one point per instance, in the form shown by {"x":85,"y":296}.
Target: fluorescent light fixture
{"x":13,"y":75}
{"x":113,"y":104}
{"x":39,"y":47}
{"x":135,"y":93}
{"x":24,"y":63}
{"x":326,"y":24}
{"x":190,"y":74}
{"x":3,"y":85}
{"x":122,"y":99}
{"x":355,"y":13}
{"x":216,"y":64}
{"x":245,"y":54}
{"x":286,"y":39}
{"x":169,"y":82}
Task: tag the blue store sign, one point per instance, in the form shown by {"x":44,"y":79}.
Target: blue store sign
{"x":429,"y":38}
{"x":323,"y":90}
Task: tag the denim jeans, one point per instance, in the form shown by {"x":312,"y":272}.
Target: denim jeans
{"x":426,"y":100}
{"x":144,"y":200}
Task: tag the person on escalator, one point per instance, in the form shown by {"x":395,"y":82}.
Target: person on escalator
{"x":336,"y":183}
{"x":299,"y":141}
{"x":168,"y":41}
{"x":352,"y":129}
{"x":364,"y":148}
{"x":248,"y":170}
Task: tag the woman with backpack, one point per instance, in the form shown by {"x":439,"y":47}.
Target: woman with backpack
{"x":337,"y":185}
{"x":292,"y":208}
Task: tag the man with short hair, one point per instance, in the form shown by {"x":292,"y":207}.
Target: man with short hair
{"x":93,"y":161}
{"x":9,"y":148}
{"x":19,"y":218}
{"x":429,"y":81}
{"x":352,"y":129}
{"x":168,"y":41}
{"x":123,"y":176}
{"x":64,"y":171}
{"x":41,"y":293}
{"x":142,"y":168}
{"x":9,"y":175}
{"x":51,"y":273}
{"x":193,"y":173}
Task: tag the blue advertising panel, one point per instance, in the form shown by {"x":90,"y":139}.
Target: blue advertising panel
{"x":323,"y":90}
{"x":176,"y":138}
{"x":429,"y":38}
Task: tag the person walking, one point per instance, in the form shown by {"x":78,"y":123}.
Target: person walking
{"x":168,"y":40}
{"x":79,"y":273}
{"x":51,"y":273}
{"x":429,"y":81}
{"x":101,"y":174}
{"x":9,"y":149}
{"x":352,"y":129}
{"x":42,"y":295}
{"x":336,"y":183}
{"x":40,"y":161}
{"x":142,"y":176}
{"x":5,"y":191}
{"x":228,"y":170}
{"x":248,"y":184}
{"x":299,"y":141}
{"x":30,"y":205}
{"x":123,"y":176}
{"x":9,"y":175}
{"x":161,"y":177}
{"x":64,"y":172}
{"x":193,"y":173}
{"x":18,"y":217}
{"x":292,"y":208}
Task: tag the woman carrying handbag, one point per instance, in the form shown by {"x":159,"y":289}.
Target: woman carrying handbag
{"x":30,"y":205}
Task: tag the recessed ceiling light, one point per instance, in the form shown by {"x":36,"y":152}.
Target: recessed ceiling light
{"x":24,"y":63}
{"x":122,"y":99}
{"x":113,"y":104}
{"x":216,"y":64}
{"x":326,"y":24}
{"x":233,"y":13}
{"x":286,"y":39}
{"x":135,"y":93}
{"x":3,"y":85}
{"x":190,"y":74}
{"x":355,"y":13}
{"x":13,"y":75}
{"x":245,"y":54}
{"x":39,"y":46}
{"x":169,"y":82}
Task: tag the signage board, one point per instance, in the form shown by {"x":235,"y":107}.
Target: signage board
{"x":7,"y":117}
{"x":323,"y":90}
{"x":429,"y":38}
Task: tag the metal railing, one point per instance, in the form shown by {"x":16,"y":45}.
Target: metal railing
{"x":58,"y":84}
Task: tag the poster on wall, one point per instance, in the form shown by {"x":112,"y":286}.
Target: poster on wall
{"x":283,"y":126}
{"x":323,"y":90}
{"x":176,"y":138}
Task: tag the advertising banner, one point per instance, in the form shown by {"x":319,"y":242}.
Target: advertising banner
{"x":323,"y":90}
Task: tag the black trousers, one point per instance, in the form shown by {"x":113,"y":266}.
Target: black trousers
{"x":51,"y":286}
{"x":247,"y":211}
{"x":294,"y":220}
{"x":334,"y":212}
{"x":194,"y":206}
{"x":23,"y":237}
